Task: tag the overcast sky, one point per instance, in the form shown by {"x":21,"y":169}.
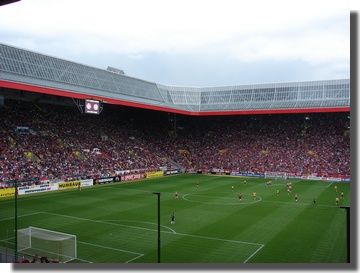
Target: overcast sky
{"x":190,"y":42}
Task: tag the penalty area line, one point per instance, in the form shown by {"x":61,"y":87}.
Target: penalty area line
{"x":138,"y":255}
{"x":253,"y":254}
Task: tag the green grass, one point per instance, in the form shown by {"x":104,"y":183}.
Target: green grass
{"x":117,"y":223}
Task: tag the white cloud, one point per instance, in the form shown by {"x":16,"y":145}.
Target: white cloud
{"x":316,"y":32}
{"x":135,"y":56}
{"x":161,"y":25}
{"x":314,"y":42}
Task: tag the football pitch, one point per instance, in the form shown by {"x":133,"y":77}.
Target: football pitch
{"x":118,"y":222}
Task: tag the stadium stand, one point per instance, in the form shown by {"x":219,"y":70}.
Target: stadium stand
{"x":41,"y":141}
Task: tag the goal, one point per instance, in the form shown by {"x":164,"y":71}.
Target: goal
{"x":52,"y":244}
{"x":276,"y":175}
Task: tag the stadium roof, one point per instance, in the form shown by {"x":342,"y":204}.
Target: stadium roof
{"x":30,"y":71}
{"x":6,"y":2}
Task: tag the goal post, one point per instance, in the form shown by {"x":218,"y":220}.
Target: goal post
{"x":52,"y":244}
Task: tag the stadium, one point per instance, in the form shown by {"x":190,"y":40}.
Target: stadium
{"x":91,"y":160}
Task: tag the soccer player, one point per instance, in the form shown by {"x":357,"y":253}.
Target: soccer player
{"x":176,"y":195}
{"x":232,"y":188}
{"x":79,"y":186}
{"x":172,"y":219}
{"x":277,"y":192}
{"x":337,"y":201}
{"x":342,"y":195}
{"x":314,"y":200}
{"x":254,"y":195}
{"x":335,"y":188}
{"x":296,"y":197}
{"x":197,"y":183}
{"x":244,"y":182}
{"x":240,"y":196}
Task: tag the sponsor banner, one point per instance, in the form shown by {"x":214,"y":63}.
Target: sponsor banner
{"x":334,"y":179}
{"x":7,"y":192}
{"x":168,"y":172}
{"x":154,"y":174}
{"x":298,"y":174}
{"x":130,"y":177}
{"x":294,"y":177}
{"x":200,"y":170}
{"x":68,"y":185}
{"x":337,"y":179}
{"x":87,"y":182}
{"x":247,"y":174}
{"x":217,"y":170}
{"x":314,"y":178}
{"x":104,"y":180}
{"x":37,"y":188}
{"x":275,"y":174}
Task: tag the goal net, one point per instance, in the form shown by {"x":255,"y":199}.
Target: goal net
{"x":43,"y":242}
{"x":276,"y":175}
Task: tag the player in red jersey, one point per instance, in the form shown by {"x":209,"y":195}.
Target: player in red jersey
{"x":176,"y":195}
{"x":240,"y":196}
{"x":296,"y":197}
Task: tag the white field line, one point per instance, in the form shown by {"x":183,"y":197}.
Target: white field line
{"x":253,"y":254}
{"x":84,"y":261}
{"x":138,"y":255}
{"x":155,"y":230}
{"x":218,"y":239}
{"x":149,"y":229}
{"x":25,"y":215}
{"x":109,"y":223}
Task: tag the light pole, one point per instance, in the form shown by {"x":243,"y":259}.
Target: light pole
{"x":16,"y":237}
{"x":158,"y":194}
{"x":347,"y":208}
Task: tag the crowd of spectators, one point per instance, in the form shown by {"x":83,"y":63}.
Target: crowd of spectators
{"x":316,"y":144}
{"x":66,"y":144}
